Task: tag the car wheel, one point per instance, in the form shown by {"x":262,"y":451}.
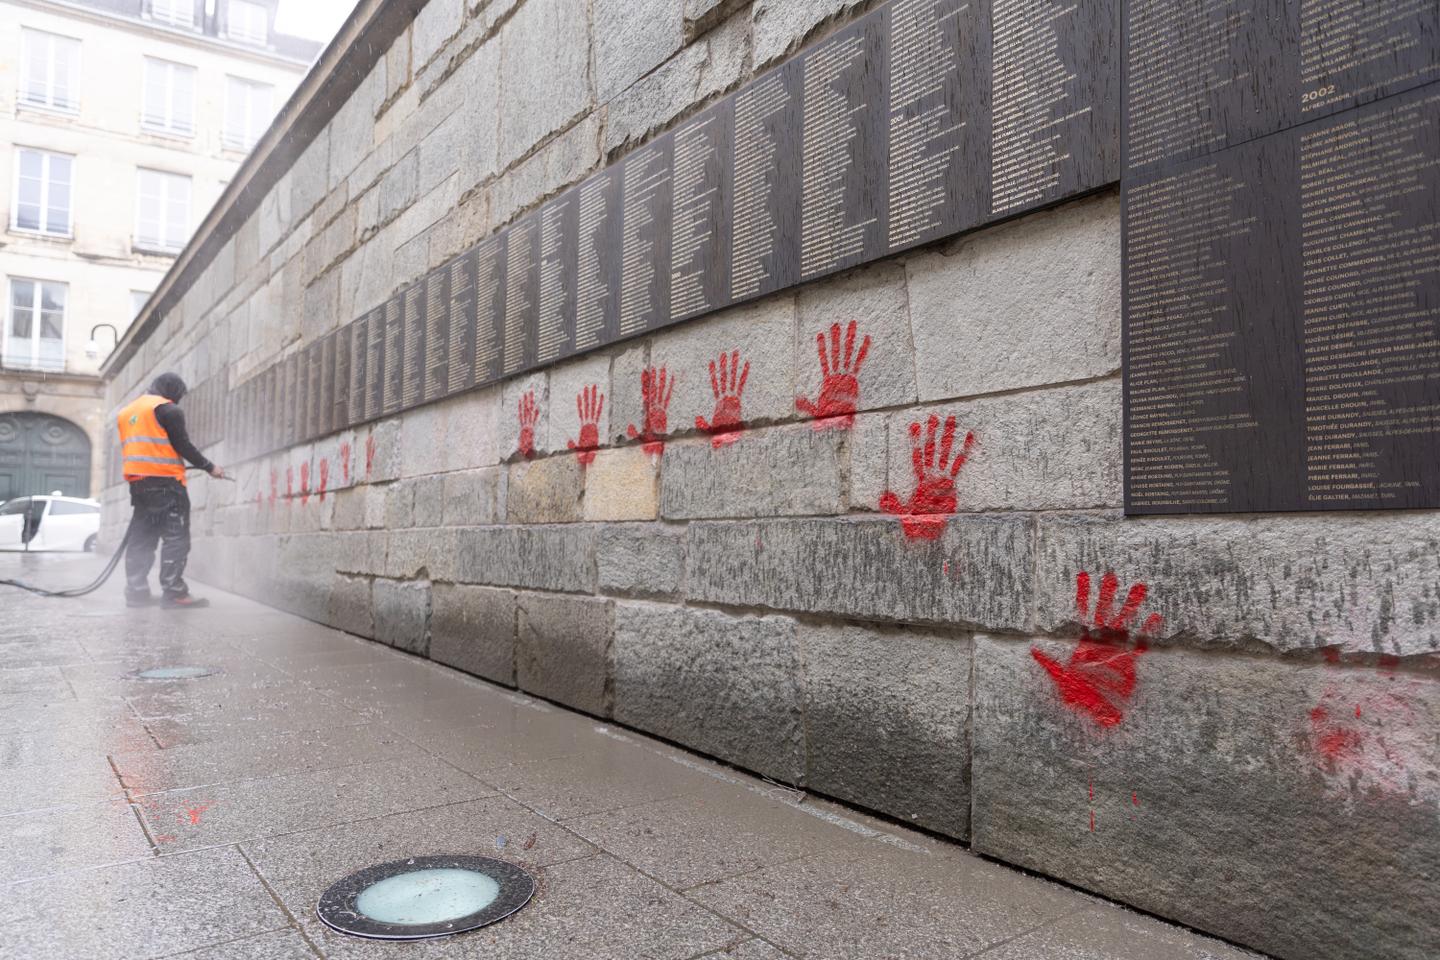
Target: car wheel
{"x":90,"y":543}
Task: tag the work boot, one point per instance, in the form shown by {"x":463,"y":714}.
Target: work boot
{"x":185,"y":602}
{"x":139,"y":600}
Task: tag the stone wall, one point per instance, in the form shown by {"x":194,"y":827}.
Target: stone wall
{"x":1229,"y":721}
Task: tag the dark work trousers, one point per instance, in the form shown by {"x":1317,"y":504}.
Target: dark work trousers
{"x":162,"y":515}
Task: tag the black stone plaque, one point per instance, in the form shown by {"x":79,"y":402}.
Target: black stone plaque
{"x":700,"y":213}
{"x":843,"y":165}
{"x":645,"y":238}
{"x":522,"y":282}
{"x":437,"y":334}
{"x":1203,"y":75}
{"x":340,"y":410}
{"x":490,"y":299}
{"x":597,"y":282}
{"x":763,"y":178}
{"x":359,"y":358}
{"x":460,"y":323}
{"x":393,"y":384}
{"x":555,"y":295}
{"x":291,"y":401}
{"x":1282,"y":306}
{"x":311,"y":358}
{"x":327,"y":384}
{"x":414,"y":320}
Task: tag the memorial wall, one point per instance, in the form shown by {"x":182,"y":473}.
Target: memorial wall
{"x":1280,"y":231}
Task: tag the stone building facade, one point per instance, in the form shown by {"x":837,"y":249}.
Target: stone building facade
{"x":121,"y":122}
{"x":1229,"y":721}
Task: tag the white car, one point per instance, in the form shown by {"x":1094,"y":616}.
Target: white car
{"x":49,"y":523}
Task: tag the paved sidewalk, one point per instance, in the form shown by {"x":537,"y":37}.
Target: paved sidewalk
{"x":203,"y":818}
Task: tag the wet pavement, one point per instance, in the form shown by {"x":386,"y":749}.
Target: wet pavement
{"x":204,"y":818}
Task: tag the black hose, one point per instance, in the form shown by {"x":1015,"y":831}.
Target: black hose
{"x":91,"y":588}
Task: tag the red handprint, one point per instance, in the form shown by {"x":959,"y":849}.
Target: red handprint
{"x":924,"y":516}
{"x":589,"y":403}
{"x":305,"y":483}
{"x":1100,"y":677}
{"x":274,"y":486}
{"x":324,"y":478}
{"x":289,"y":484}
{"x":369,"y":453}
{"x":529,"y":416}
{"x":725,"y":424}
{"x":840,"y":383}
{"x":655,"y":389}
{"x":345,"y":462}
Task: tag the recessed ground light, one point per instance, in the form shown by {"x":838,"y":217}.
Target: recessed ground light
{"x":174,"y":673}
{"x":425,"y":897}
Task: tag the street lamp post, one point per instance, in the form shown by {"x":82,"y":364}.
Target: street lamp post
{"x":92,"y":348}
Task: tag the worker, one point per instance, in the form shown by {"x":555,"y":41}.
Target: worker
{"x":152,"y":442}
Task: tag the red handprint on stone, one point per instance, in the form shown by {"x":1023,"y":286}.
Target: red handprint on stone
{"x":655,"y":389}
{"x":1100,"y":676}
{"x":924,"y":515}
{"x":289,"y":484}
{"x":728,"y":386}
{"x":589,"y":403}
{"x":529,"y":416}
{"x":369,"y":453}
{"x":274,"y":486}
{"x":839,"y":382}
{"x":324,"y":478}
{"x":304,"y":484}
{"x":345,"y":462}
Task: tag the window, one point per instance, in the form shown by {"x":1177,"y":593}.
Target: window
{"x":247,"y":112}
{"x":179,"y":12}
{"x":247,"y":22}
{"x":169,"y":97}
{"x":34,"y":336}
{"x":50,"y":74}
{"x":138,"y":299}
{"x":42,"y":192}
{"x":163,"y":222}
{"x":69,"y":508}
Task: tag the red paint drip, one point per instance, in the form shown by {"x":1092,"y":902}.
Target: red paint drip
{"x":925,"y":514}
{"x":1331,"y":655}
{"x":727,"y":383}
{"x":589,"y":403}
{"x":656,"y":388}
{"x":839,"y":380}
{"x":529,"y":416}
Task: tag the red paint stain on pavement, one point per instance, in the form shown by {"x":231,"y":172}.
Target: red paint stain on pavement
{"x":345,"y":463}
{"x":656,"y":388}
{"x":924,"y":515}
{"x":839,"y":379}
{"x":589,"y":403}
{"x":1099,"y":679}
{"x":194,"y":814}
{"x":727,"y":383}
{"x":529,"y":416}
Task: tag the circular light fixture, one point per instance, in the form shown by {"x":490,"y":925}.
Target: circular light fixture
{"x":174,"y":673}
{"x":425,"y":897}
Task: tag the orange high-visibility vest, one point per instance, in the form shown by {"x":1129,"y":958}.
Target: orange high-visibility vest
{"x":144,"y":445}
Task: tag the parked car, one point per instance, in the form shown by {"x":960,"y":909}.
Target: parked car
{"x":49,"y":523}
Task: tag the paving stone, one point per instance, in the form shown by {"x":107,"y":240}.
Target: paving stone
{"x":778,"y":471}
{"x":475,"y":497}
{"x":227,"y":813}
{"x":887,"y":722}
{"x":955,"y":905}
{"x":715,"y":63}
{"x":1258,"y":775}
{"x":350,"y":605}
{"x":701,"y":838}
{"x":151,"y":908}
{"x":1355,"y":582}
{"x":45,"y":786}
{"x":548,"y":490}
{"x":424,"y":434}
{"x":622,"y":484}
{"x":286,"y":944}
{"x":875,"y":298}
{"x":429,"y":504}
{"x":675,"y":677}
{"x":558,"y":557}
{"x":402,"y":614}
{"x":563,"y":650}
{"x":1026,"y":303}
{"x":473,"y":629}
{"x":41,"y":843}
{"x":631,"y":39}
{"x":472,"y":434}
{"x":1115,"y":935}
{"x":546,"y":82}
{"x":642,"y":560}
{"x":978,"y":572}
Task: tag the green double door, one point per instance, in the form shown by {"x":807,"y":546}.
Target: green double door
{"x":40,"y":454}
